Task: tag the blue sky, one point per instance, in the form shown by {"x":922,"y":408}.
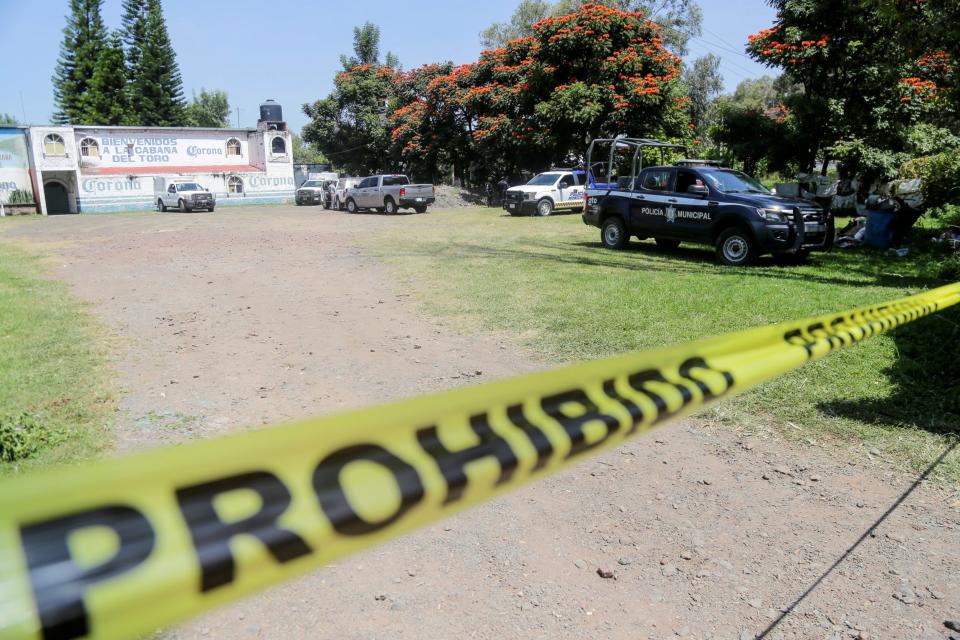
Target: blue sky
{"x":290,"y":50}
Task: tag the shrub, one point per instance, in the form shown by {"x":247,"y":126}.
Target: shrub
{"x":21,"y":437}
{"x":20,"y":196}
{"x":858,"y":158}
{"x":950,"y":268}
{"x":939,"y":174}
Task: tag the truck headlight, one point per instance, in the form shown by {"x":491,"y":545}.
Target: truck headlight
{"x":775,"y":216}
{"x":528,"y":196}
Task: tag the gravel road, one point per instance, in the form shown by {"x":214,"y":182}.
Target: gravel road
{"x":246,"y":316}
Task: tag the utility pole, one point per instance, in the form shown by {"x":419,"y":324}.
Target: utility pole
{"x":238,"y":117}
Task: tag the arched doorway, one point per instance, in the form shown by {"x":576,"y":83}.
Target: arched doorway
{"x":56,"y":197}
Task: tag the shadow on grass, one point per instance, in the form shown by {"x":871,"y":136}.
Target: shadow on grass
{"x":926,"y":379}
{"x":845,"y":269}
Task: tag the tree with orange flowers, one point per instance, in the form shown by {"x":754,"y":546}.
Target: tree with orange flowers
{"x":598,"y":71}
{"x":863,"y":87}
{"x":349,"y":126}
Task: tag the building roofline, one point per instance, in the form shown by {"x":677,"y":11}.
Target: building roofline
{"x":132,"y":128}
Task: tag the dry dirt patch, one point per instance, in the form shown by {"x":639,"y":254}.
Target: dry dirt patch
{"x":248,"y":316}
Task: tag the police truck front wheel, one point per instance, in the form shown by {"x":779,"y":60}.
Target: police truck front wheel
{"x":351,"y":206}
{"x":613,"y":234}
{"x":182,"y":205}
{"x":736,"y":247}
{"x":545,"y":207}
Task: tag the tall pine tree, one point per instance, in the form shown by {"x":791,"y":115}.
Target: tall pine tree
{"x":83,"y":39}
{"x":134,"y":29}
{"x":106,"y":102}
{"x":156,"y":89}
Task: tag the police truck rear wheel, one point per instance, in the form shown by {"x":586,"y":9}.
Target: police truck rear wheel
{"x":613,"y":234}
{"x":420,"y":209}
{"x":667,"y":243}
{"x":735,"y":247}
{"x":389,"y":206}
{"x":545,"y":207}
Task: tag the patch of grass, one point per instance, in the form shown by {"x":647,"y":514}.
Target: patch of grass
{"x":54,"y":396}
{"x":548,"y":281}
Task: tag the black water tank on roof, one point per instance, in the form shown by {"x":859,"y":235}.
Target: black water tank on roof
{"x":270,"y":111}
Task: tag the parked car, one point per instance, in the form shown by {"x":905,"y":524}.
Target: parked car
{"x":338,"y":193}
{"x":547,"y":192}
{"x":314,"y":192}
{"x":182,"y":194}
{"x":703,"y":204}
{"x":390,"y":193}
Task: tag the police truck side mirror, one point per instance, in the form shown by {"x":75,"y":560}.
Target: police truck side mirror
{"x":698,"y":190}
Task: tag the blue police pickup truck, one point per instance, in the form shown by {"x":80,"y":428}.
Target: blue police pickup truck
{"x":701,"y":203}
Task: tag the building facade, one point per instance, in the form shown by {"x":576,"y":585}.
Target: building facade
{"x":96,"y":169}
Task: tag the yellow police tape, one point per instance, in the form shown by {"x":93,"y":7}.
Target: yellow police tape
{"x":120,"y":547}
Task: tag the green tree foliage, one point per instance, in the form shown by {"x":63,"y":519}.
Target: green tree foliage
{"x":209,"y":109}
{"x":863,"y":85}
{"x":704,"y":84}
{"x":527,"y":14}
{"x":156,"y":89}
{"x":134,"y":31}
{"x":680,"y":19}
{"x":83,"y":38}
{"x":7,"y":119}
{"x":349,"y":125}
{"x":306,"y":153}
{"x":755,"y":127}
{"x":540,"y":99}
{"x":106,"y":102}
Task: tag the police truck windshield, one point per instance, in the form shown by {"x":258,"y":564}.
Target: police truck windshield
{"x":189,"y":186}
{"x":544,"y":179}
{"x":729,"y":181}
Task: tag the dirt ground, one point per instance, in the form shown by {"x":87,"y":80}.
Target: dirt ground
{"x":247,"y":316}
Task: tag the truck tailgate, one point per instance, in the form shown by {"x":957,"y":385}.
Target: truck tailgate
{"x":418,"y":191}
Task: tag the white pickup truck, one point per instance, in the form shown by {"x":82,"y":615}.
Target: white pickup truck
{"x":183,"y":194}
{"x":389,"y":193}
{"x":556,"y":190}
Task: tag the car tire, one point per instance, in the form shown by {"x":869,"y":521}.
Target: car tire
{"x":351,"y":206}
{"x":544,"y":207}
{"x":736,"y":247}
{"x":211,"y":209}
{"x":667,"y":243}
{"x":420,"y":209}
{"x":389,"y":206}
{"x":182,"y":205}
{"x":160,"y":206}
{"x":613,"y":233}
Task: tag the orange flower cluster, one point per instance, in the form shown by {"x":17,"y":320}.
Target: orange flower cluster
{"x":936,"y":61}
{"x":763,"y":34}
{"x":925,"y":90}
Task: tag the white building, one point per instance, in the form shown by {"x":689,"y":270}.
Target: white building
{"x":95,"y":169}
